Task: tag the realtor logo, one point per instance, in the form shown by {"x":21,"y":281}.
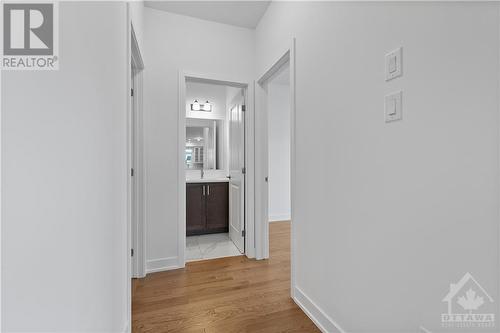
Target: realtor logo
{"x":466,"y":302}
{"x":29,"y":36}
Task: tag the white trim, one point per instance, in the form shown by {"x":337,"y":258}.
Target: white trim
{"x":316,"y":314}
{"x":133,"y":59}
{"x":498,"y":148}
{"x":163,"y":264}
{"x":280,"y":218}
{"x":293,"y":164}
{"x":283,"y":60}
{"x":128,"y":84}
{"x":261,"y":172}
{"x":250,"y":243}
{"x":181,"y":173}
{"x":138,"y":221}
{"x":126,"y":328}
{"x":214,"y":79}
{"x":1,"y":193}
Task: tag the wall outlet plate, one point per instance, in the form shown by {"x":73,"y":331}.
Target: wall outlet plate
{"x":394,"y":64}
{"x":394,"y":106}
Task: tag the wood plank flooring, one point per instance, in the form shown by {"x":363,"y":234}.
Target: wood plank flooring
{"x":224,"y":295}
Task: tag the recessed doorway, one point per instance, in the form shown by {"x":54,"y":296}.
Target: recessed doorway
{"x":275,"y":154}
{"x":213,"y":179}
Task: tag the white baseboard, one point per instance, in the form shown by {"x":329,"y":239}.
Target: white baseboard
{"x":314,"y":312}
{"x":162,"y":264}
{"x":279,"y":218}
{"x":127,"y":327}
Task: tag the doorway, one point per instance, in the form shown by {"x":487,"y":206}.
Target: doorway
{"x":278,"y":89}
{"x":212,"y":177}
{"x":276,"y":148}
{"x":275,"y":154}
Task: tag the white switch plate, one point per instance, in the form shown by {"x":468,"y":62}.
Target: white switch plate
{"x":394,"y":107}
{"x":393,"y":64}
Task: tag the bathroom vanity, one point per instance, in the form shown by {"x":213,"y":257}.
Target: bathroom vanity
{"x":207,"y":198}
{"x":207,"y":206}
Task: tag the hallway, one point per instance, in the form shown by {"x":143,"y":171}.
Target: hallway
{"x":232,"y":294}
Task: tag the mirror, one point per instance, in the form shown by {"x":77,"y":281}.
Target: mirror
{"x":204,"y":144}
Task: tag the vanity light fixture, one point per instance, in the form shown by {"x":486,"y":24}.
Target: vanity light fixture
{"x":195,"y":106}
{"x":207,"y":106}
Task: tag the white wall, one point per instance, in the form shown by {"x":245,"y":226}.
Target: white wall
{"x":172,"y":43}
{"x":64,"y":179}
{"x":136,"y":10}
{"x":395,"y":212}
{"x":279,"y":151}
{"x":215,"y":94}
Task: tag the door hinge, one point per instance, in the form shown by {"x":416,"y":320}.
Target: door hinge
{"x":132,"y":172}
{"x":243,"y":233}
{"x":243,"y":108}
{"x":131,"y":92}
{"x":243,"y":170}
{"x":131,"y":252}
{"x":267,"y":179}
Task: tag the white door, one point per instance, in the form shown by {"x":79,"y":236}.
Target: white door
{"x":133,"y":187}
{"x":236,"y":172}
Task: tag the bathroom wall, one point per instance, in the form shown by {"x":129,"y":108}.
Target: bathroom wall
{"x":215,"y":94}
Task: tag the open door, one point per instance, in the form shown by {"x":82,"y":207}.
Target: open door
{"x":237,"y":171}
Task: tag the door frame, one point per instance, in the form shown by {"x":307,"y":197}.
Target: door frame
{"x":249,"y":156}
{"x":134,"y":64}
{"x":261,"y":158}
{"x":136,"y":129}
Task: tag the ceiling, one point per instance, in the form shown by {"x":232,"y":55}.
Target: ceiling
{"x":246,"y":14}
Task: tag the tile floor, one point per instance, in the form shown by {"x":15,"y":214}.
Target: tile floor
{"x":210,"y":247}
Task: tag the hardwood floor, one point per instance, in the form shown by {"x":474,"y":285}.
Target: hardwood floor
{"x":224,"y":295}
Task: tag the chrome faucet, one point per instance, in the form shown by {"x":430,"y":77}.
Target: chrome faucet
{"x":202,"y":173}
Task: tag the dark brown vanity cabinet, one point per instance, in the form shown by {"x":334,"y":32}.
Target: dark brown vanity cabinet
{"x":207,"y":208}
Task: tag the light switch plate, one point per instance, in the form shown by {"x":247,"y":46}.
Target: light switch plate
{"x":394,"y":107}
{"x":393,"y":64}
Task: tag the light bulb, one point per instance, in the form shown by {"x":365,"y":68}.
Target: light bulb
{"x":207,"y":106}
{"x":195,"y":106}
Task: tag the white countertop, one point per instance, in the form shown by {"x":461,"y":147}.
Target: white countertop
{"x":207,"y":180}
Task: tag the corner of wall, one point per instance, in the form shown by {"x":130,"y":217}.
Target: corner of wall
{"x":315,"y":313}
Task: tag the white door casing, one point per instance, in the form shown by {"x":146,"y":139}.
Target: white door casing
{"x":133,"y":181}
{"x":137,"y":236}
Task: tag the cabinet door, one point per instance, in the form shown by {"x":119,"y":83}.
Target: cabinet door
{"x":195,"y":209}
{"x":217,"y":207}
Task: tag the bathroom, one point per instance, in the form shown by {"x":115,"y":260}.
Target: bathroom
{"x":214,"y":169}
